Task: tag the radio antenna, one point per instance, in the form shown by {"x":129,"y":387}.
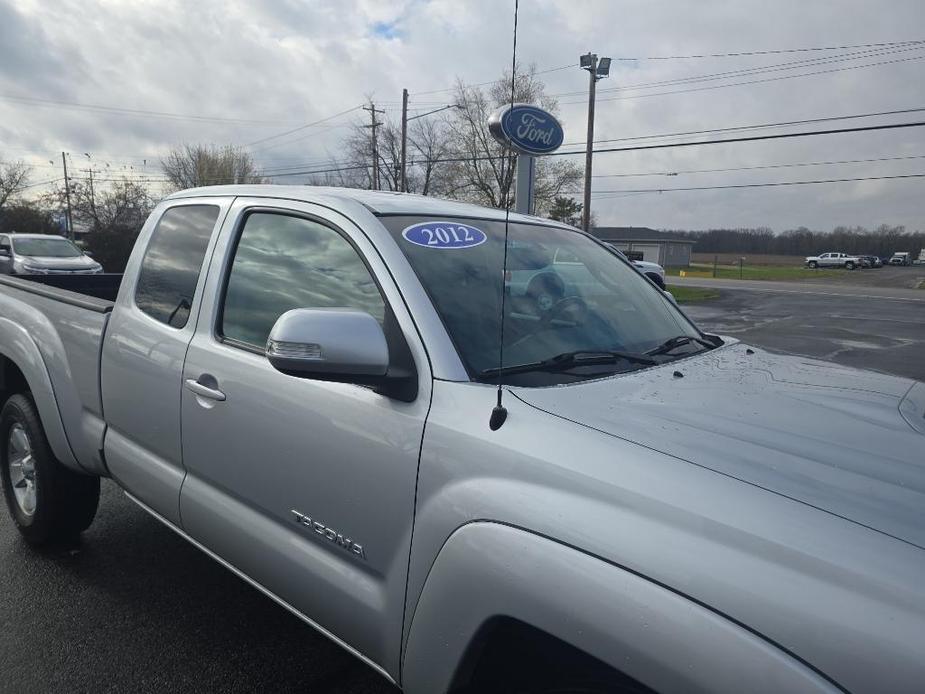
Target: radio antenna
{"x":499,"y":413}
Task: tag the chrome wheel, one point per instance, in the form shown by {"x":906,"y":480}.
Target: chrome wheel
{"x":22,"y":468}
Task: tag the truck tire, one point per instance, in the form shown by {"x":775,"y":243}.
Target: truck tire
{"x":47,"y":501}
{"x":813,"y":264}
{"x":849,"y":265}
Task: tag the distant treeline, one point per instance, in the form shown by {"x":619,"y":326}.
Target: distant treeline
{"x":883,"y":241}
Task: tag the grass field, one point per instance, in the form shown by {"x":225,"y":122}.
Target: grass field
{"x":754,"y":272}
{"x":684,"y":295}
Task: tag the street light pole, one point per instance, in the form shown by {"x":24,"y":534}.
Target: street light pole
{"x":404,"y":133}
{"x":596,"y":70}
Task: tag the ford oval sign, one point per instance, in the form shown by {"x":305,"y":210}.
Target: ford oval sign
{"x":527,"y":129}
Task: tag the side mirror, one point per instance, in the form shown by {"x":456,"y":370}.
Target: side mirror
{"x":5,"y":253}
{"x":336,"y":344}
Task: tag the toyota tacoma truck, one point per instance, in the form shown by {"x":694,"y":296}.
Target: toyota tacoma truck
{"x":309,"y":385}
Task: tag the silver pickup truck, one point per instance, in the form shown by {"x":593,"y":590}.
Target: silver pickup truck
{"x":301,"y":382}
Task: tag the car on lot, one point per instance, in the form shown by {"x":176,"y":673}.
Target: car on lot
{"x":849,"y":262}
{"x":901,"y":258}
{"x":872,"y":261}
{"x":653,"y":271}
{"x":43,"y":254}
{"x":340,"y":396}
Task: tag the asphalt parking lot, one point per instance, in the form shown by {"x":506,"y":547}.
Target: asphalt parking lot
{"x":135,"y":608}
{"x":883,"y":331}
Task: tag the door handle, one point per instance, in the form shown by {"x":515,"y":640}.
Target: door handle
{"x":204,"y":391}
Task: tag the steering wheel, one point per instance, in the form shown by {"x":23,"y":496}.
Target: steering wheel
{"x":546,"y":289}
{"x":571,"y":308}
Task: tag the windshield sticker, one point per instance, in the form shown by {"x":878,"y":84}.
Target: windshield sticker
{"x":444,"y":235}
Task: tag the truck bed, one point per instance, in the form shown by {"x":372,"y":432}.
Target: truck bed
{"x":64,"y":318}
{"x":70,"y":288}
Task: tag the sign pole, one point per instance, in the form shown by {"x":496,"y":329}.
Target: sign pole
{"x":523,"y":193}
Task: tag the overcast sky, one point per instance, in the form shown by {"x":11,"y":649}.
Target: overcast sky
{"x":251,"y":70}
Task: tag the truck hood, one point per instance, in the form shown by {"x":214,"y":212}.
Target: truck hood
{"x":82,"y":262}
{"x":829,"y":436}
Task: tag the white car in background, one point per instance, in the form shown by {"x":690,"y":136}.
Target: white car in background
{"x":653,"y":271}
{"x":43,"y":254}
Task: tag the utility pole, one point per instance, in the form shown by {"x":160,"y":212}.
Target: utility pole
{"x":374,"y":124}
{"x":404,"y":141}
{"x":68,"y":220}
{"x":92,"y":193}
{"x":596,"y":71}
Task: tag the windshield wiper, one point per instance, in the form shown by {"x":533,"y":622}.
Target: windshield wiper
{"x":673,"y":343}
{"x":568,"y":360}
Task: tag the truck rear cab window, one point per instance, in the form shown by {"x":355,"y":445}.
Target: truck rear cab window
{"x":283,"y":262}
{"x":172,"y":263}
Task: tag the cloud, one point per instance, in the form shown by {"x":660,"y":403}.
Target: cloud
{"x":286,"y":63}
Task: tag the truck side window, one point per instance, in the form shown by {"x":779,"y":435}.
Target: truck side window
{"x":284,"y":262}
{"x":173,"y":261}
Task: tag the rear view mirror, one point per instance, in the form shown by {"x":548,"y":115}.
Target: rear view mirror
{"x":336,"y":344}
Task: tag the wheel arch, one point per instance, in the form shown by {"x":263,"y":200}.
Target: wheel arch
{"x":487,"y":573}
{"x":22,"y":369}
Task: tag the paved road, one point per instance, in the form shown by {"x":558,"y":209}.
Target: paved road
{"x":134,"y":608}
{"x":883,"y":333}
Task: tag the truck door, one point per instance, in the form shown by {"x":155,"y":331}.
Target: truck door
{"x":306,"y":487}
{"x":146,"y":340}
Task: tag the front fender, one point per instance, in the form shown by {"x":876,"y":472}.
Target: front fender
{"x":648,"y":632}
{"x":18,"y":346}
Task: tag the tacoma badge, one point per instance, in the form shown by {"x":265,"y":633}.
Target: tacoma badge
{"x":329,"y":534}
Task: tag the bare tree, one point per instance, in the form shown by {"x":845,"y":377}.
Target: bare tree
{"x":428,"y":145}
{"x":14,"y":177}
{"x":189,"y":166}
{"x":110,"y":216}
{"x":124,"y":203}
{"x":485,"y":170}
{"x":453,"y":154}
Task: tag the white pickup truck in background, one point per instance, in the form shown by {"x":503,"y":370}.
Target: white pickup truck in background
{"x":849,"y":262}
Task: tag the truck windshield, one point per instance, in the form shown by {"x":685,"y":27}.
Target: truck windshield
{"x":566,"y":294}
{"x":51,"y":247}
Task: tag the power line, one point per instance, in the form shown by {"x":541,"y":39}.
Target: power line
{"x":743,"y":72}
{"x":762,"y":185}
{"x":760,"y":167}
{"x":41,"y":183}
{"x":761,"y":81}
{"x":303,"y":127}
{"x":482,"y":84}
{"x":770,"y":52}
{"x":635,"y":148}
{"x":297,"y":167}
{"x":133,"y":112}
{"x":804,"y":121}
{"x":749,"y":138}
